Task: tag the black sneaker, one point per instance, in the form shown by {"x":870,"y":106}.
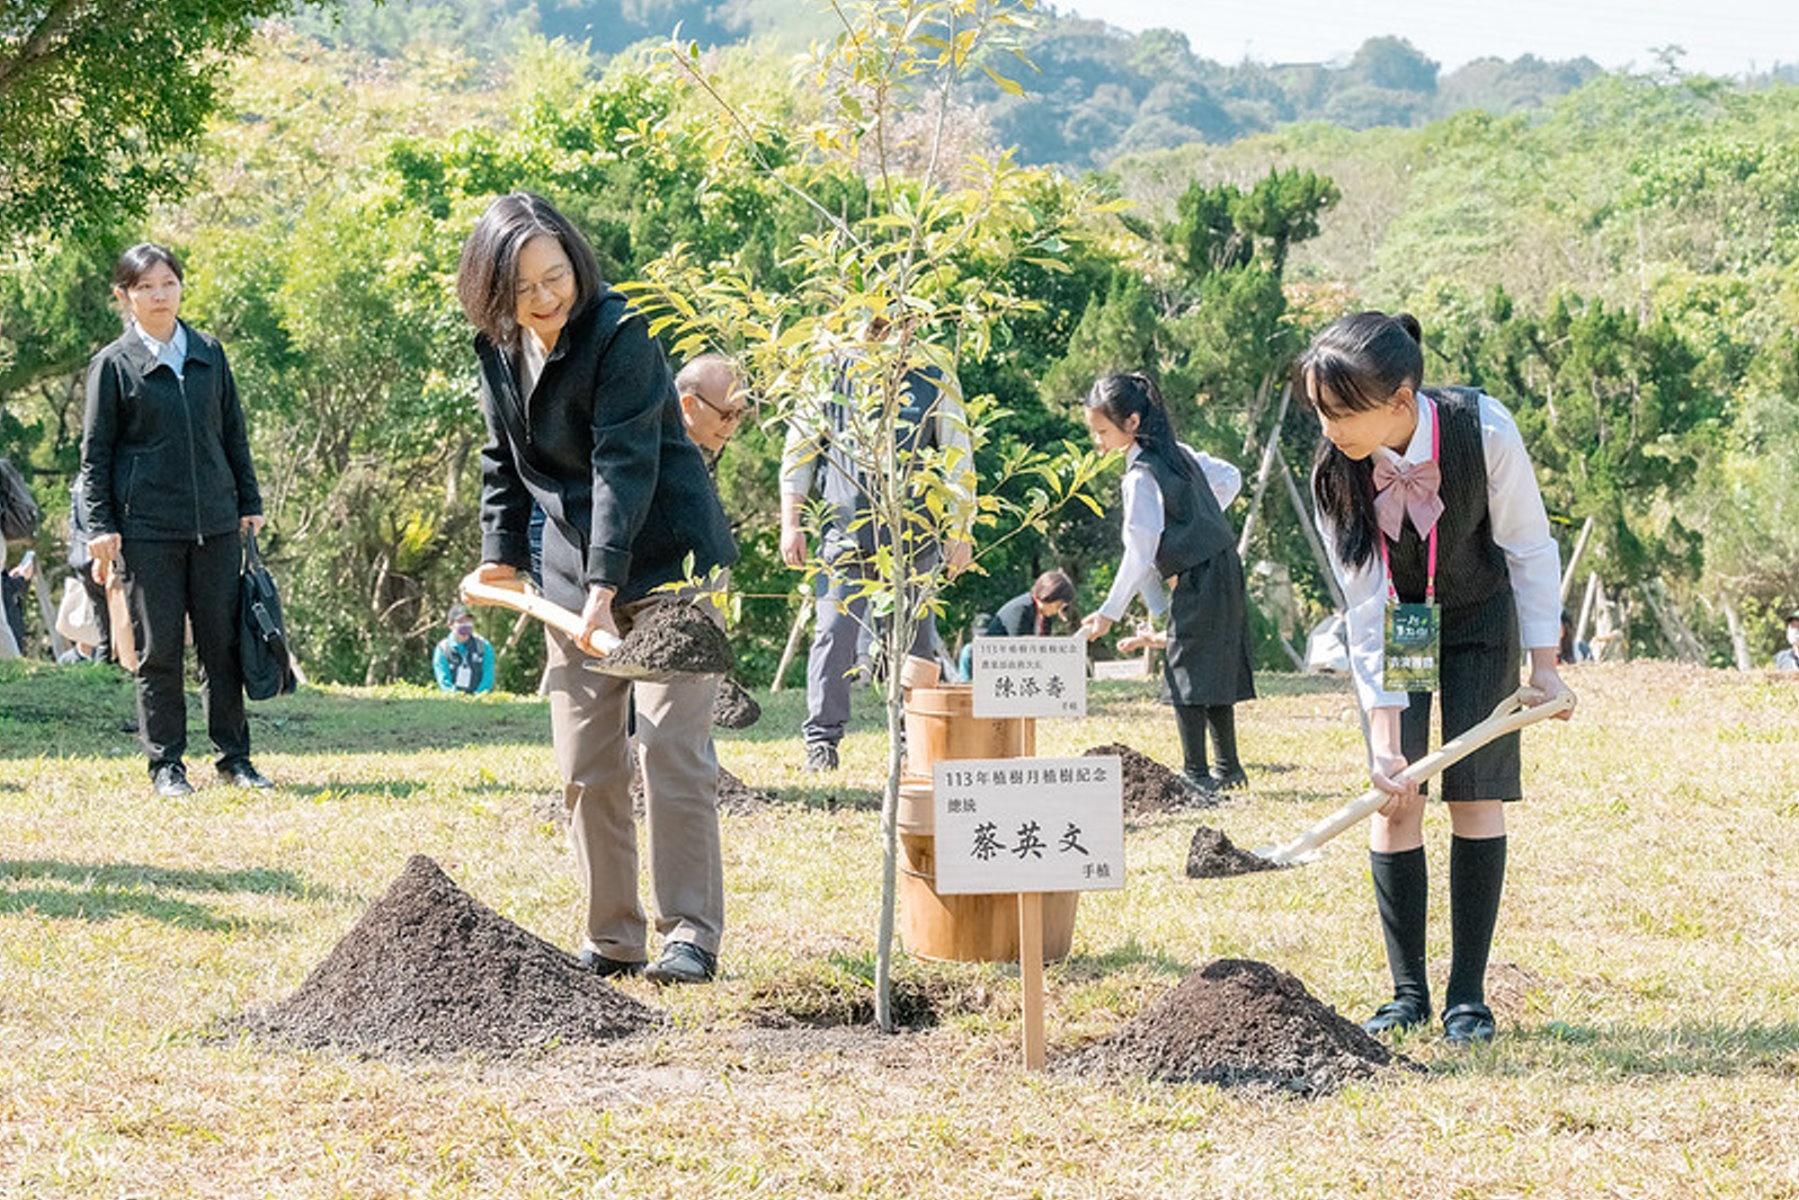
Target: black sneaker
{"x":1401,"y":1013}
{"x":170,"y":781}
{"x":243,"y":775}
{"x":605,"y":967}
{"x":821,"y":756}
{"x":682,"y":962}
{"x":1467,"y":1024}
{"x":1232,"y":780}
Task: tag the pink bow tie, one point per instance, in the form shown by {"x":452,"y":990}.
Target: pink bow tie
{"x":1403,"y":488}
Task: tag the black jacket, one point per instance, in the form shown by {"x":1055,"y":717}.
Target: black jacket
{"x":602,"y":450}
{"x":1017,"y":617}
{"x":165,"y":457}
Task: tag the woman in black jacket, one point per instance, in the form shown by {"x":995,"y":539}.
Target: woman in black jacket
{"x":1035,"y":613}
{"x":169,"y":488}
{"x":583,"y":421}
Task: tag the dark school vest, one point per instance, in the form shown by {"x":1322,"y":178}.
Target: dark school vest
{"x":1471,"y":567}
{"x":1193,"y":528}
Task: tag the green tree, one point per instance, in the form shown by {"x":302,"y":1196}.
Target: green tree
{"x":97,"y":101}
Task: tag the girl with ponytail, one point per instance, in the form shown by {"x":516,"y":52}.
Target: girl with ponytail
{"x":1431,"y":516}
{"x":1181,"y":555}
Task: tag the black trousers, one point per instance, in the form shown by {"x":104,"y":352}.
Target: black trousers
{"x":166,"y":583}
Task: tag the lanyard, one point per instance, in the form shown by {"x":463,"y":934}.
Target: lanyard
{"x":1430,"y":541}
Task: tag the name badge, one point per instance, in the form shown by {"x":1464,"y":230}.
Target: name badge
{"x":1412,"y":648}
{"x":465,"y":677}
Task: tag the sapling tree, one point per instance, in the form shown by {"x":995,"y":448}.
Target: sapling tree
{"x":878,"y":302}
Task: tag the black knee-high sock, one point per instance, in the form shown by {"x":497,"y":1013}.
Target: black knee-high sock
{"x":1402,"y":894}
{"x":1191,"y":719}
{"x":1223,"y":720}
{"x":1476,"y":877}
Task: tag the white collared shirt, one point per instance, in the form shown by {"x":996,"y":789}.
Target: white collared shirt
{"x":1520,"y":530}
{"x":172,"y":352}
{"x":532,"y":356}
{"x":1144,"y":521}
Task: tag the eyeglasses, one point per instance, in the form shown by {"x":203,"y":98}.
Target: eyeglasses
{"x":141,"y":290}
{"x":549,"y":283}
{"x":728,"y":415}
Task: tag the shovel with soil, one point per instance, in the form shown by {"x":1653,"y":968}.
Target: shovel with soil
{"x":666,"y":642}
{"x":1518,"y":710}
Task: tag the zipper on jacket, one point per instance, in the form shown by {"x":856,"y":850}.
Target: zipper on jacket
{"x":193,"y":454}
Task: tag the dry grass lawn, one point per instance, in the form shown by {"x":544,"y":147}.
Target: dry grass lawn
{"x":1647,"y":986}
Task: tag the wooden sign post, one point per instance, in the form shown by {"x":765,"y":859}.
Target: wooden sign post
{"x":1029,"y":826}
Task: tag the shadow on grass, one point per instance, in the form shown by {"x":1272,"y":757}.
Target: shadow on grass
{"x":1689,"y":1048}
{"x":78,"y":711}
{"x":95,"y":905}
{"x":387,"y":789}
{"x":261,"y":880}
{"x":1131,"y":953}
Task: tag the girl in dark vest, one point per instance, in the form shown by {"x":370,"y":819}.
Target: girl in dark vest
{"x":1427,"y":497}
{"x":1180,"y":553}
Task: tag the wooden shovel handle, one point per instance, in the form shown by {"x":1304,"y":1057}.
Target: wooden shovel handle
{"x":1512,"y":714}
{"x":521,"y":597}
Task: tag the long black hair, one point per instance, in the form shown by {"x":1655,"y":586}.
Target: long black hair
{"x":487,"y":276}
{"x":1122,"y":396}
{"x":1355,"y":365}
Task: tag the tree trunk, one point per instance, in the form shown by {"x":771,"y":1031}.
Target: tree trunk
{"x":793,"y":642}
{"x":1263,"y":474}
{"x":1310,"y":530}
{"x":1580,"y":548}
{"x":47,"y":611}
{"x":1739,"y":644}
{"x":1586,"y":607}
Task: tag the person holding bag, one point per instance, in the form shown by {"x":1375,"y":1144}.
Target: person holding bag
{"x":169,"y":489}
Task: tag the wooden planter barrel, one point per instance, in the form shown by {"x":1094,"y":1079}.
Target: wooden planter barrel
{"x":940,"y":727}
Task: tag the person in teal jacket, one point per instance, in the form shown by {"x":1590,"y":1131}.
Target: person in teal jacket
{"x":463,"y":661}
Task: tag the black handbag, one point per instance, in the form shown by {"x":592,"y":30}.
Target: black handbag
{"x":268,"y":670}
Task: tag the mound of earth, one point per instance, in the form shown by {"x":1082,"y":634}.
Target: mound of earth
{"x":677,"y":637}
{"x":1150,"y":787}
{"x":431,"y":970}
{"x":734,"y":708}
{"x":1214,"y":856}
{"x":1236,"y":1022}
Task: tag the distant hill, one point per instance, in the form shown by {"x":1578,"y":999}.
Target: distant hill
{"x":1098,"y":91}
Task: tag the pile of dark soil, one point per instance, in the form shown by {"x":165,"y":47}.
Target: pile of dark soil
{"x":1214,"y":856}
{"x":1241,"y":1022}
{"x":734,"y":795}
{"x":678,"y":637}
{"x":1150,"y":787}
{"x":734,"y":708}
{"x":431,"y":970}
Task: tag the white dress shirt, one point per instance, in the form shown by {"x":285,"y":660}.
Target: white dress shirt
{"x":531,"y":357}
{"x":173,"y":352}
{"x":1143,"y":524}
{"x":1520,"y":530}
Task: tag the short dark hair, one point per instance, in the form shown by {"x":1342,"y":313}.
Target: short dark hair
{"x":487,"y":276}
{"x":136,"y":262}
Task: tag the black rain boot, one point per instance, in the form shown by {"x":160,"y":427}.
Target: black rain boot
{"x":1227,"y":774}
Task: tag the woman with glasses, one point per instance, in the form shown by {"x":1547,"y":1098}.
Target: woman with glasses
{"x":169,"y":491}
{"x":583,"y":421}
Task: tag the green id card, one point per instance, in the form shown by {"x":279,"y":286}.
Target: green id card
{"x":1411,"y":659}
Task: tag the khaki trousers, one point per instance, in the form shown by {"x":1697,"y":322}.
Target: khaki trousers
{"x":680,"y":772}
